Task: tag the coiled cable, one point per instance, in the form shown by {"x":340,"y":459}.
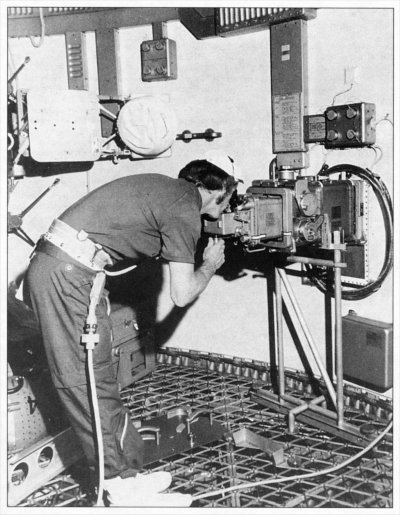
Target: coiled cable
{"x":385,"y":203}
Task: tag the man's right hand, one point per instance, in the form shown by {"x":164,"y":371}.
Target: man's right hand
{"x":186,"y":284}
{"x":214,"y":253}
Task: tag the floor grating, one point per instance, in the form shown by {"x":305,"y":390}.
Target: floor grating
{"x":200,"y":384}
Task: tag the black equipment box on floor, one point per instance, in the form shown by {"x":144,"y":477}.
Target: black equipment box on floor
{"x":367,"y":352}
{"x":133,"y":353}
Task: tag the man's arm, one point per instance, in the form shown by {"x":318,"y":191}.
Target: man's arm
{"x":186,"y":284}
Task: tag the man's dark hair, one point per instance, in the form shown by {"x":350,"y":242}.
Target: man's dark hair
{"x":209,"y":176}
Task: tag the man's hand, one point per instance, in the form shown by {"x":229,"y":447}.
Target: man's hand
{"x":214,"y":253}
{"x":186,"y":283}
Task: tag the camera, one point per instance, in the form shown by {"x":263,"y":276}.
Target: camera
{"x":285,"y":214}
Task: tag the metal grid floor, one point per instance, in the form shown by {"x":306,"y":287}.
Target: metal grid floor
{"x":222,"y":386}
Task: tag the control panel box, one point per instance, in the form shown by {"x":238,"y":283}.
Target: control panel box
{"x":159,"y":60}
{"x":350,"y":125}
{"x":367,"y":352}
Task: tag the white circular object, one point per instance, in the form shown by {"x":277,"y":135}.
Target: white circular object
{"x":147,"y":125}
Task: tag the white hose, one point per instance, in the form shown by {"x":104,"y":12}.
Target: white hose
{"x":99,"y":435}
{"x":90,"y":339}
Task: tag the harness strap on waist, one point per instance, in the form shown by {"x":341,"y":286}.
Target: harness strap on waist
{"x":77,"y":245}
{"x":80,"y":247}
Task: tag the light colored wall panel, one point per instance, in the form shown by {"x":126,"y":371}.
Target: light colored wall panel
{"x":224,"y":83}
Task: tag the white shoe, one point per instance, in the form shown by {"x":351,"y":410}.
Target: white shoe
{"x":124,"y":497}
{"x":153,"y":482}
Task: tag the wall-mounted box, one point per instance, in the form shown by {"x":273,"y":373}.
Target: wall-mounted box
{"x":159,"y":60}
{"x":350,"y":125}
{"x":367,"y":352}
{"x":64,"y":125}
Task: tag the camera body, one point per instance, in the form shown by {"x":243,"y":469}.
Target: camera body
{"x":287,"y":213}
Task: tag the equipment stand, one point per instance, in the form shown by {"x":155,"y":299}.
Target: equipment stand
{"x":312,"y":412}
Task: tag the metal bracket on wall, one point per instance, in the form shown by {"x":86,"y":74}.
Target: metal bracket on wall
{"x":107,"y":46}
{"x":208,"y":135}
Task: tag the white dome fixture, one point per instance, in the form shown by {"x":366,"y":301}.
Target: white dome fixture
{"x":147,"y":125}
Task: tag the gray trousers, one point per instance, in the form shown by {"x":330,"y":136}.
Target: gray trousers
{"x":57,"y":287}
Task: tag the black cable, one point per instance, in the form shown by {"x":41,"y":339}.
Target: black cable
{"x":385,"y":203}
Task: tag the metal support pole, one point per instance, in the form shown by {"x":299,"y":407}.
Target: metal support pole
{"x":338,"y":337}
{"x":279,"y":332}
{"x":308,"y":336}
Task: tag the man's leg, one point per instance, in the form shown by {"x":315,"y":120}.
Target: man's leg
{"x":58,"y":291}
{"x":123,"y":446}
{"x":59,"y":294}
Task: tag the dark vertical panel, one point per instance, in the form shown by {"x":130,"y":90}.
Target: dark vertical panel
{"x":107,"y":66}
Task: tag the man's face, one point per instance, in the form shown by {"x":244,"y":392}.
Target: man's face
{"x":214,"y":209}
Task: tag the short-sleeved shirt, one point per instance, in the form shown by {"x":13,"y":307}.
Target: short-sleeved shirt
{"x":141,"y":216}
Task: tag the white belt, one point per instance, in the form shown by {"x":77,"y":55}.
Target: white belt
{"x":77,"y":245}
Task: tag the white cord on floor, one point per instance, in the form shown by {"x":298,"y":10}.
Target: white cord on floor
{"x":299,"y":476}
